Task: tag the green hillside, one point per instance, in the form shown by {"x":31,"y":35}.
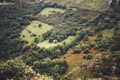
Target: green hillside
{"x":60,"y":40}
{"x":97,"y":5}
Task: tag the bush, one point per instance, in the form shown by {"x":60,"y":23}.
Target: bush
{"x":77,"y":51}
{"x":115,"y":47}
{"x":88,"y":57}
{"x":36,"y":40}
{"x":86,"y":51}
{"x":40,"y":25}
{"x":86,"y":38}
{"x":53,"y":68}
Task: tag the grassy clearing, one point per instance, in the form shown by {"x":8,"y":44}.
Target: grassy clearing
{"x":46,"y":43}
{"x":91,"y":4}
{"x":35,"y":28}
{"x":7,"y":3}
{"x":108,"y":33}
{"x":76,"y":1}
{"x":47,"y":11}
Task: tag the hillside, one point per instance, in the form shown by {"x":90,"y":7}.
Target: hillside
{"x":60,"y":40}
{"x":96,"y":5}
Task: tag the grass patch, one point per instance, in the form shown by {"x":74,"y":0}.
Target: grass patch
{"x":91,"y":4}
{"x":46,"y":43}
{"x":7,"y":3}
{"x":34,"y":30}
{"x":47,"y":11}
{"x":109,"y":33}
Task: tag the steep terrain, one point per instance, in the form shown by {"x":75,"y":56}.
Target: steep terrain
{"x":96,"y":5}
{"x":60,"y":40}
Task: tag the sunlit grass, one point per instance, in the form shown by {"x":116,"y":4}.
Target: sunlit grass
{"x":5,"y":3}
{"x":90,"y":4}
{"x":109,"y":33}
{"x":37,"y":28}
{"x":47,"y":11}
{"x":46,"y":43}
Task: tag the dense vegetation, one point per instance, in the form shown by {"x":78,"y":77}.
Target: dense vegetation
{"x":96,"y":43}
{"x":12,"y":23}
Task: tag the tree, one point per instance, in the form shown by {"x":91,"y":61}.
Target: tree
{"x":15,"y":69}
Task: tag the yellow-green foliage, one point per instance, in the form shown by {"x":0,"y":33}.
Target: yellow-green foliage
{"x":8,"y":3}
{"x":37,"y":28}
{"x":47,"y":11}
{"x":46,"y":43}
{"x":91,"y":4}
{"x":98,"y":5}
{"x":109,"y":33}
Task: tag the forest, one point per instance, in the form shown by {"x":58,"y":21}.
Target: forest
{"x":59,"y":40}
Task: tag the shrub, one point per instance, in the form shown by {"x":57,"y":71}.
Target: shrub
{"x":88,"y":57}
{"x":86,"y":51}
{"x":40,"y":25}
{"x":77,"y":51}
{"x":36,"y":40}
